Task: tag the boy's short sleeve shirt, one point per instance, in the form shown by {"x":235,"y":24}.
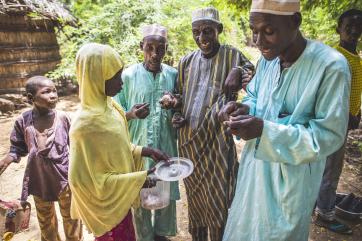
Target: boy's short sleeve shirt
{"x":46,"y":172}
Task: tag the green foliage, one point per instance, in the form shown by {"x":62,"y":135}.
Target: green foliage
{"x":319,"y":16}
{"x":118,"y":23}
{"x":108,"y":22}
{"x":312,"y":27}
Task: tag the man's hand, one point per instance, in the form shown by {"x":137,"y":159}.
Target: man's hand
{"x":178,"y":121}
{"x":354,"y":121}
{"x":4,"y":163}
{"x":138,"y":111}
{"x":170,"y":101}
{"x":246,"y":78}
{"x":232,"y":108}
{"x":233,"y":83}
{"x":177,"y":105}
{"x":156,"y":154}
{"x":245,"y":126}
{"x":237,"y":78}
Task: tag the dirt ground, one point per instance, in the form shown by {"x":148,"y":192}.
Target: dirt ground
{"x":11,"y":180}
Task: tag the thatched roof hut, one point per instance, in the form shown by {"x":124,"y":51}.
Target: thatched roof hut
{"x":28,"y":44}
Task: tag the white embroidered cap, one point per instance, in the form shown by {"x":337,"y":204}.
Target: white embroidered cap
{"x":154,"y":29}
{"x":209,"y":13}
{"x":277,"y":7}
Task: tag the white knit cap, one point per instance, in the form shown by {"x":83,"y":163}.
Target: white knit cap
{"x":277,"y":7}
{"x":154,"y":29}
{"x":209,"y":13}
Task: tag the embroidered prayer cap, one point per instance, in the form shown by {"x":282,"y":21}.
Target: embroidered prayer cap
{"x":209,"y":13}
{"x":154,"y":29}
{"x":277,"y":7}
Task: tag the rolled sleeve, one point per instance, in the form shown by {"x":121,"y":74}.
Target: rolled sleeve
{"x":137,"y":156}
{"x":18,"y":146}
{"x":317,"y":138}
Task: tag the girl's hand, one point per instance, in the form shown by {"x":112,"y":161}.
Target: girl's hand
{"x":150,"y":182}
{"x":155,"y":154}
{"x":150,"y":171}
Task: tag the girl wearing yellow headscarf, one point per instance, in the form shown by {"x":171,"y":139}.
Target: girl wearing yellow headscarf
{"x":105,"y":173}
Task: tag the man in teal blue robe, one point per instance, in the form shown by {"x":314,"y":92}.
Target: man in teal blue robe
{"x":143,"y":86}
{"x":295,"y":114}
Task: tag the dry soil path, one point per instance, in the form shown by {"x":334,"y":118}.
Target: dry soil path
{"x":11,"y":180}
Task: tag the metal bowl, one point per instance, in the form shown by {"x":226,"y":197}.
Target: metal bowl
{"x":176,"y":169}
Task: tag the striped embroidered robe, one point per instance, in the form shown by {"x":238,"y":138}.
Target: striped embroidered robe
{"x":204,"y":139}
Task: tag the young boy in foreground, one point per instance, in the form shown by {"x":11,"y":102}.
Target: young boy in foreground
{"x":42,"y":134}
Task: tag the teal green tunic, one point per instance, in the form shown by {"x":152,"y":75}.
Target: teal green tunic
{"x":139,"y":86}
{"x":305,"y":112}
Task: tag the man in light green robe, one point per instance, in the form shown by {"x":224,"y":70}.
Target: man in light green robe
{"x":145,"y":83}
{"x":295,"y":114}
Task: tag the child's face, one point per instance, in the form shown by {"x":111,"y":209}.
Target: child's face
{"x":114,"y":85}
{"x":350,"y":29}
{"x":46,"y":96}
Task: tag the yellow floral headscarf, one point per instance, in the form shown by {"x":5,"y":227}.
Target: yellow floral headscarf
{"x":105,"y":169}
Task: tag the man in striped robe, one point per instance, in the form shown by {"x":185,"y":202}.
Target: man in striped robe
{"x":207,"y":77}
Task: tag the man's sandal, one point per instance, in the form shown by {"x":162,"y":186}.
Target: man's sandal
{"x":334,"y":225}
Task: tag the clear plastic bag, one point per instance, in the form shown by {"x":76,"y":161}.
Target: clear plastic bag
{"x":156,"y":197}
